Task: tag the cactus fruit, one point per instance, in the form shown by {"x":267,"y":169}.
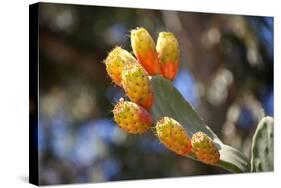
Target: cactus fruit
{"x":131,"y":117}
{"x":173,"y":136}
{"x":137,"y":85}
{"x":115,"y":63}
{"x":204,"y":148}
{"x":144,"y":49}
{"x":168,"y":53}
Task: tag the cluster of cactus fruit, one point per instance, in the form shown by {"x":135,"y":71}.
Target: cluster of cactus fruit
{"x":133,"y":75}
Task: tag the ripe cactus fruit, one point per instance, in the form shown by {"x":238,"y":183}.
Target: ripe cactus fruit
{"x":204,"y":148}
{"x":131,"y":117}
{"x":137,"y":85}
{"x":173,"y":136}
{"x":115,"y":63}
{"x":168,"y":53}
{"x":144,"y":49}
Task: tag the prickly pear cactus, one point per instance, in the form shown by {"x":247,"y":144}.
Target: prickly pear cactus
{"x":169,"y":102}
{"x":176,"y":119}
{"x":262,"y":146}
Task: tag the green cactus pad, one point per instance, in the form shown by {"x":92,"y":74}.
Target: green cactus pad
{"x":169,"y":102}
{"x":262,"y":146}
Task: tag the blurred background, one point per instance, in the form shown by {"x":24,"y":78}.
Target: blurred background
{"x":226,"y":72}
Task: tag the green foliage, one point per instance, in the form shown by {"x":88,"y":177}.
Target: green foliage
{"x":169,"y":102}
{"x":262,"y":147}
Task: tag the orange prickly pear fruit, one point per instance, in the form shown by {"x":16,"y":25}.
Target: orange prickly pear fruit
{"x":137,"y":85}
{"x":173,"y":136}
{"x":131,"y":117}
{"x":168,"y":53}
{"x":204,"y":148}
{"x":144,"y":49}
{"x":115,"y":63}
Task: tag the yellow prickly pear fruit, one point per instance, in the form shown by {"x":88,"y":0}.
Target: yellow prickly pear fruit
{"x":137,"y":85}
{"x":173,"y":136}
{"x":115,"y":62}
{"x":144,"y":49}
{"x":131,"y":117}
{"x":204,"y":148}
{"x":169,"y":54}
